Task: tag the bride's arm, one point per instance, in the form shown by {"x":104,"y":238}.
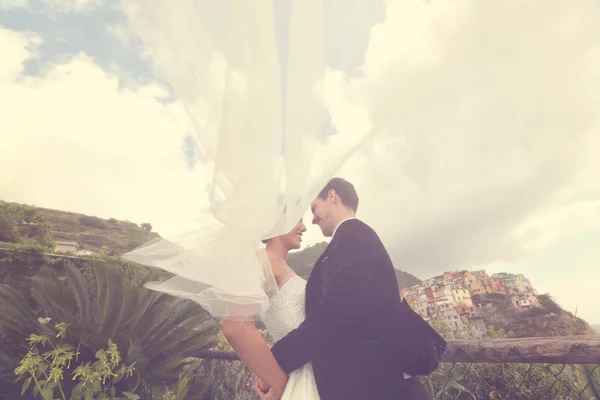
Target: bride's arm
{"x":252,"y":349}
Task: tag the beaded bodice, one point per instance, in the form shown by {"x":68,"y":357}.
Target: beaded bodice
{"x":286,"y":311}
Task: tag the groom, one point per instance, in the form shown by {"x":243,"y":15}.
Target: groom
{"x":362,"y":340}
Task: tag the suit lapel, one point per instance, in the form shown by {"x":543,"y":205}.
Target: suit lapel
{"x":322,"y":258}
{"x":314,"y":283}
{"x":325,"y":253}
{"x":317,"y":267}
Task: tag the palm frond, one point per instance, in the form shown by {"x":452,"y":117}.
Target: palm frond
{"x":79,"y":290}
{"x":16,"y":313}
{"x":110,"y":292}
{"x":184,"y":333}
{"x":154,"y":319}
{"x":50,"y":291}
{"x":146,"y":302}
{"x":159,"y":333}
{"x":182,"y":313}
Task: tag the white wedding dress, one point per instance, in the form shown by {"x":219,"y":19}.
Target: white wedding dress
{"x":286,"y":313}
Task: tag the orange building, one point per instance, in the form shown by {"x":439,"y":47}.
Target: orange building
{"x":488,"y":285}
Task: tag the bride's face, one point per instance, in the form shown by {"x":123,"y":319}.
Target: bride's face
{"x":293,"y":239}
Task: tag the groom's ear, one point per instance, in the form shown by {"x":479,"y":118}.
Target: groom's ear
{"x":331,"y":194}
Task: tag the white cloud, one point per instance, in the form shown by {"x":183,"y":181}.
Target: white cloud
{"x":547,"y":227}
{"x":121,"y":32}
{"x":75,"y":140}
{"x":73,"y":6}
{"x":577,"y":292}
{"x":16,"y":47}
{"x":488,"y":129}
{"x":486,"y":113}
{"x":9,"y":4}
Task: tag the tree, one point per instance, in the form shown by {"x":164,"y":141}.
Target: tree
{"x":92,"y":222}
{"x":22,"y":224}
{"x":9,"y":231}
{"x":146,"y":226}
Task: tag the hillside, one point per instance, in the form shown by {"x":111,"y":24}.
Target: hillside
{"x":118,"y":237}
{"x":91,"y":233}
{"x":548,"y":320}
{"x":303,"y":261}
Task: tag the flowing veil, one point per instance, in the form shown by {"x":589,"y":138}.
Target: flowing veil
{"x":253,"y":78}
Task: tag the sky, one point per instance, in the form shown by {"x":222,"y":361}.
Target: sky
{"x":486,"y":154}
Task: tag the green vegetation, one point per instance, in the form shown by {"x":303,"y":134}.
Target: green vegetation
{"x":44,"y":372}
{"x":94,"y":307}
{"x":92,"y":222}
{"x":146,"y":226}
{"x":547,"y":320}
{"x":23,"y":224}
{"x":45,"y":226}
{"x":86,"y":328}
{"x":501,"y":381}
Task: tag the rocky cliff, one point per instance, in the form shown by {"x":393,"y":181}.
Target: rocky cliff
{"x":548,"y":320}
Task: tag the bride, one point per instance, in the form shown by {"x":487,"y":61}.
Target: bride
{"x":286,"y":312}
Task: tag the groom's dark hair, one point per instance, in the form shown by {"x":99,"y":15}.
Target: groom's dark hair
{"x":344,"y":189}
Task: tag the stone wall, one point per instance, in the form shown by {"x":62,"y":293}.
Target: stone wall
{"x":231,"y":380}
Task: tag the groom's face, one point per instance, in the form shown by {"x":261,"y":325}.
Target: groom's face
{"x":321,"y":210}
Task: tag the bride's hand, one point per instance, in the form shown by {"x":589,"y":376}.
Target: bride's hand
{"x":270,"y":395}
{"x":261,"y":385}
{"x":264,"y":391}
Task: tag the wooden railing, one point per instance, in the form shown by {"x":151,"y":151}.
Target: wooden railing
{"x":566,"y":367}
{"x":549,"y":350}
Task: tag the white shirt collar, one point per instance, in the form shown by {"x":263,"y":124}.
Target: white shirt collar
{"x":338,"y":225}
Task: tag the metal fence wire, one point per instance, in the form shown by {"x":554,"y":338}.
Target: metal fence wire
{"x":509,"y":369}
{"x":516,"y":380}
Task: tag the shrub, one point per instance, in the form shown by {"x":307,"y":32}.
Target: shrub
{"x":156,"y":333}
{"x":498,"y":381}
{"x":547,"y":303}
{"x":92,"y":222}
{"x":146,"y":226}
{"x":42,"y":374}
{"x":22,"y":224}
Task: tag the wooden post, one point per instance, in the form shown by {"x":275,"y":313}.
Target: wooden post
{"x":558,"y":349}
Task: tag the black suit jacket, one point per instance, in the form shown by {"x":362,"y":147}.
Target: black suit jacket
{"x":358,"y":334}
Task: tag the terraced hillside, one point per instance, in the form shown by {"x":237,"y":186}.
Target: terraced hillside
{"x":92,"y":233}
{"x":118,"y":237}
